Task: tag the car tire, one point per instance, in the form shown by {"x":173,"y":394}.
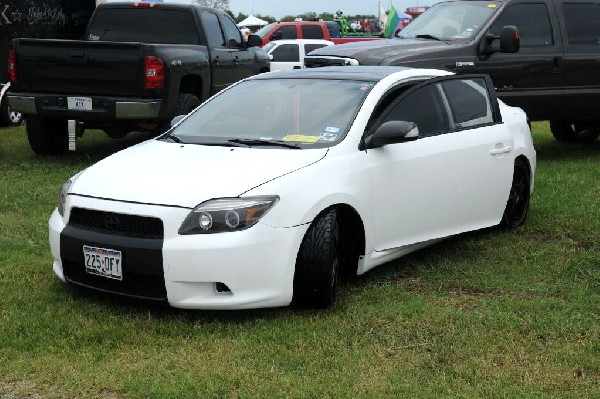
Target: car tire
{"x":10,"y":117}
{"x":575,"y":132}
{"x":517,"y":205}
{"x":186,"y":103}
{"x":317,"y":264}
{"x":47,"y":136}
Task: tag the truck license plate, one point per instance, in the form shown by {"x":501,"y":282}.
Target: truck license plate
{"x":103,"y":262}
{"x":79,"y":103}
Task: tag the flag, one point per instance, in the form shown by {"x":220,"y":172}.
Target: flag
{"x":382,"y":16}
{"x":392,"y":21}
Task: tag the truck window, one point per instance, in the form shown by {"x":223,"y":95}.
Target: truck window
{"x":310,"y":47}
{"x":286,"y":53}
{"x":286,"y":32}
{"x":212,"y":29}
{"x":144,"y":25}
{"x":312,"y":32}
{"x":583,"y":23}
{"x":532,"y":20}
{"x":232,"y":33}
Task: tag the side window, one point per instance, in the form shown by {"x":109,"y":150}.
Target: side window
{"x":532,"y":20}
{"x":286,"y":53}
{"x":214,"y":35}
{"x":583,"y":23}
{"x":312,"y":32}
{"x":287,"y":32}
{"x":232,"y":33}
{"x":310,"y":47}
{"x":423,"y":106}
{"x":468,"y":101}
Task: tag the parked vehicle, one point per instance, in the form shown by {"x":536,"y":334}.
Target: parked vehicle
{"x":553,"y":76}
{"x":140,"y":65}
{"x":307,"y":30}
{"x":324,"y":172}
{"x":289,"y":54}
{"x":59,"y":19}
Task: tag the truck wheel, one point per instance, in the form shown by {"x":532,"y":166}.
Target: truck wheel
{"x":9,"y":116}
{"x":317,"y":264}
{"x":47,"y":136}
{"x":575,"y":132}
{"x":186,"y":103}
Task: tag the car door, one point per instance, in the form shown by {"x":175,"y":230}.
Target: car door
{"x":531,"y":78}
{"x":221,"y":60}
{"x":456,"y":177}
{"x":285,"y":56}
{"x":243,"y":59}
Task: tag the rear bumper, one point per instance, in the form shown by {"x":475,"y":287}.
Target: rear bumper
{"x":103,"y":108}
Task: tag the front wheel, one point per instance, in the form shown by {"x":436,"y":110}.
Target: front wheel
{"x":317,"y":264}
{"x":575,"y":132}
{"x":517,"y":205}
{"x":47,"y":136}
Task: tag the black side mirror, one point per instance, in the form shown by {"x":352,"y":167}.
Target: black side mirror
{"x":254,"y":41}
{"x":390,"y":132}
{"x":509,"y":41}
{"x":276,"y":36}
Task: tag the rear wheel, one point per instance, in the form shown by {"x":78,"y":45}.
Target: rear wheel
{"x":47,"y":136}
{"x":186,"y":103}
{"x":517,"y":205}
{"x":317,"y":264}
{"x":9,"y":116}
{"x":575,"y":132}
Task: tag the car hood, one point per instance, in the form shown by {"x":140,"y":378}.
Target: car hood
{"x":376,"y":51}
{"x":157,"y":172}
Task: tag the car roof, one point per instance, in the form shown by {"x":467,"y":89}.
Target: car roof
{"x":300,"y":41}
{"x":362,"y":73}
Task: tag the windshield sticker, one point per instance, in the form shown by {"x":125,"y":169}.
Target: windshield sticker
{"x":301,"y":138}
{"x":492,"y":6}
{"x":332,"y":129}
{"x":328,"y":136}
{"x":265,"y":138}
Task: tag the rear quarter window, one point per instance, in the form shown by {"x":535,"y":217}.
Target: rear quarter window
{"x":583,"y":23}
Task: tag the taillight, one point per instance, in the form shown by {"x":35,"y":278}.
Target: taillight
{"x":12,"y":66}
{"x":144,"y":5}
{"x":154,"y":73}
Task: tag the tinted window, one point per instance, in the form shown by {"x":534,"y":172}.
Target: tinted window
{"x":232,"y":33}
{"x":310,"y":47}
{"x":286,"y":32}
{"x":531,"y":19}
{"x":214,"y":36}
{"x":469,"y":102}
{"x":286,"y":53}
{"x":583,"y":23}
{"x":151,"y":25}
{"x":312,"y":32}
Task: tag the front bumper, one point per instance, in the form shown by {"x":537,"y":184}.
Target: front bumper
{"x":103,"y":108}
{"x":256,"y":265}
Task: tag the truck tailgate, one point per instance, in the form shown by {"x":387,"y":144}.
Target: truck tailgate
{"x":79,"y":67}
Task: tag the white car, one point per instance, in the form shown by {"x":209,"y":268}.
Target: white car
{"x":289,"y":54}
{"x":264,"y":203}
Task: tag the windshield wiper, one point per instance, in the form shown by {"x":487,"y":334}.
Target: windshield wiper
{"x":175,"y":139}
{"x":428,"y":36}
{"x":274,"y":143}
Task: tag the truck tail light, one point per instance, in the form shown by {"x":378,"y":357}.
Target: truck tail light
{"x":12,"y":66}
{"x":154,"y":73}
{"x":143,"y":5}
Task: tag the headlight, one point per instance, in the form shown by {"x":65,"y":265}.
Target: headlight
{"x":64,"y":190}
{"x":227,"y":214}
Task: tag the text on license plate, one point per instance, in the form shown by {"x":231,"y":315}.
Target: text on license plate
{"x":103,"y":262}
{"x":79,"y":103}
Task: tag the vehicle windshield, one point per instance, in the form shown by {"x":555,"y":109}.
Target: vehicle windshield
{"x":300,"y":113}
{"x":267,"y":47}
{"x":451,"y":20}
{"x":262,"y":32}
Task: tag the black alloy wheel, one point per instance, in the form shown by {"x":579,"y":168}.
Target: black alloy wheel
{"x":517,"y":205}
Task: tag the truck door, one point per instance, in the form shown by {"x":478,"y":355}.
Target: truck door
{"x":243,"y":59}
{"x":221,"y":60}
{"x":582,"y":58}
{"x":532,"y":78}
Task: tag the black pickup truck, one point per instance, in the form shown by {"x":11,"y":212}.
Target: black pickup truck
{"x":140,"y":65}
{"x":555,"y":75}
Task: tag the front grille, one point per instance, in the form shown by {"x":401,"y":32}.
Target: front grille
{"x":133,"y":284}
{"x":117,"y":223}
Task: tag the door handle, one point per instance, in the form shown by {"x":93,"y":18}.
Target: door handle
{"x":236,"y":60}
{"x":503,"y":150}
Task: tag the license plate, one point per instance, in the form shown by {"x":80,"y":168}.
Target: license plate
{"x":79,"y":103}
{"x":103,"y":262}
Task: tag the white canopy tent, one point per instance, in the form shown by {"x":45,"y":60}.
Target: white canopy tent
{"x":252,"y":21}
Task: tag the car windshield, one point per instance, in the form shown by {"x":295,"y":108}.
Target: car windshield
{"x":299,"y":113}
{"x":262,"y":32}
{"x":450,"y":21}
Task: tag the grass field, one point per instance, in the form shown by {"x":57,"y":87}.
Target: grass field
{"x":490,"y":314}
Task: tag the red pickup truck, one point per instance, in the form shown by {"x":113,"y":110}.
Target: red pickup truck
{"x":309,"y":30}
